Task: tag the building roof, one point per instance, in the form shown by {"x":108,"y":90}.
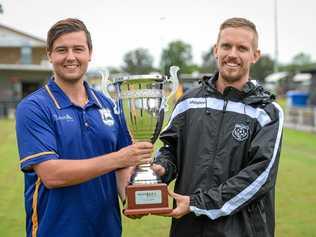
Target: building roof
{"x":302,"y":77}
{"x":10,"y":37}
{"x":274,"y":77}
{"x":25,"y":67}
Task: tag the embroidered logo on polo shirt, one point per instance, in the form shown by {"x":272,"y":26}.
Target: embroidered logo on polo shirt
{"x":106,"y":117}
{"x":65,"y":117}
{"x":240,"y":132}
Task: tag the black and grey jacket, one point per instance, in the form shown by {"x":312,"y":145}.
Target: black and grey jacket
{"x":223,"y":150}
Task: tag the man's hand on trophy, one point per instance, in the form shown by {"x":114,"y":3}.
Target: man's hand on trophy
{"x":183,"y":205}
{"x":182,"y":208}
{"x":159,"y":170}
{"x":136,"y":154}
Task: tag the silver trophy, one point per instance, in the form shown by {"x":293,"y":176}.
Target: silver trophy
{"x":143,"y":100}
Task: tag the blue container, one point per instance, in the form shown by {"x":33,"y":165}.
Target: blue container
{"x":297,"y":98}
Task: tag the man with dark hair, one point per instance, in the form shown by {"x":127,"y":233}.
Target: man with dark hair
{"x":71,"y":142}
{"x":67,"y":26}
{"x":222,"y":144}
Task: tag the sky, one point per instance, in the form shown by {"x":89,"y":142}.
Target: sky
{"x":118,"y":26}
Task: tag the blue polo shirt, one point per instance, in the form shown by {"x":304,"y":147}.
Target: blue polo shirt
{"x":49,"y":126}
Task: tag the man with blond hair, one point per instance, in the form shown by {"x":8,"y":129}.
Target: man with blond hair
{"x":222,"y":145}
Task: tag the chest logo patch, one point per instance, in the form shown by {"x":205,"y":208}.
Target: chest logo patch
{"x":240,"y":132}
{"x":106,"y":117}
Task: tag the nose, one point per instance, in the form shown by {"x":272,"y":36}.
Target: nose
{"x":233,"y":52}
{"x":70,"y":55}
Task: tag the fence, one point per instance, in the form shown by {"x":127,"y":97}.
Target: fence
{"x":7,"y":109}
{"x":303,"y":119}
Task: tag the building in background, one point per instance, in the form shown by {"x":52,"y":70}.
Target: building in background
{"x":312,"y":87}
{"x":23,"y":67}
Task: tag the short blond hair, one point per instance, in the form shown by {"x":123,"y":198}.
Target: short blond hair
{"x":237,"y":22}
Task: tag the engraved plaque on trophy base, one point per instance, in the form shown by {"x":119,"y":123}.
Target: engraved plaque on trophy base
{"x":147,"y":199}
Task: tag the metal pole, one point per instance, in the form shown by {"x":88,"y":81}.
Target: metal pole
{"x":276,"y":43}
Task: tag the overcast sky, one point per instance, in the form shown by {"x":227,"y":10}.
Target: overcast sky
{"x":118,"y":26}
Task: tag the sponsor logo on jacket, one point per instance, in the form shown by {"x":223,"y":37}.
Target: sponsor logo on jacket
{"x":195,"y":102}
{"x":240,"y":132}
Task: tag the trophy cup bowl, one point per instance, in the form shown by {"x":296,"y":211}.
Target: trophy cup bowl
{"x":143,"y":99}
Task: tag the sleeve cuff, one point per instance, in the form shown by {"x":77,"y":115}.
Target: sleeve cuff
{"x":27,"y":163}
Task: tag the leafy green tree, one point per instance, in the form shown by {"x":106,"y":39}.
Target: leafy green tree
{"x":114,"y":70}
{"x":209,"y":64}
{"x":177,"y":53}
{"x":262,"y":68}
{"x":138,"y":61}
{"x":300,"y":62}
{"x":302,"y":59}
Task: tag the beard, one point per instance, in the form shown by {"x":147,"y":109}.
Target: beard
{"x":232,"y":75}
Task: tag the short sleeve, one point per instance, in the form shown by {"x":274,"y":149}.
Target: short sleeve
{"x":35,"y":136}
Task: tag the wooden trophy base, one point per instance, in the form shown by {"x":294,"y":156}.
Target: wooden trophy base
{"x":147,"y":199}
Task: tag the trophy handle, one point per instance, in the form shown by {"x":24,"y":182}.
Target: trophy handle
{"x":105,"y":75}
{"x":106,"y":83}
{"x":173,"y":79}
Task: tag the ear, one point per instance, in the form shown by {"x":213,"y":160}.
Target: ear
{"x":49,"y":56}
{"x":256,"y":56}
{"x":215,"y":52}
{"x":90,"y":55}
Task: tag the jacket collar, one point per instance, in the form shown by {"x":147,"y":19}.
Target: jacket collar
{"x":61,"y":100}
{"x":251,"y":93}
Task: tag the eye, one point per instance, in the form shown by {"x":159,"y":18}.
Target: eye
{"x":243,"y":49}
{"x":79,"y":49}
{"x":225,"y":46}
{"x":60,"y":50}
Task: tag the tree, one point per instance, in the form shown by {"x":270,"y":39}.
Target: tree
{"x":1,"y":9}
{"x":177,"y":53}
{"x":138,"y":61}
{"x":209,"y":64}
{"x":300,"y":62}
{"x":302,"y":59}
{"x":262,"y":68}
{"x":114,"y":70}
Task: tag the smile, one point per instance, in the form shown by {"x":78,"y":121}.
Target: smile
{"x":232,"y":65}
{"x":71,"y":66}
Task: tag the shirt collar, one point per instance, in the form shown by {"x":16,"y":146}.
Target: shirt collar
{"x":61,"y":100}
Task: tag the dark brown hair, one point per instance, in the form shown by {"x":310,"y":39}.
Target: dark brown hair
{"x":237,"y":22}
{"x":64,"y":26}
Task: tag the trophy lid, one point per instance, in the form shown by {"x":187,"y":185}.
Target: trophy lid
{"x":149,"y":77}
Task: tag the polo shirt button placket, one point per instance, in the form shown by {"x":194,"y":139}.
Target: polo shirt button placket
{"x":84,"y":119}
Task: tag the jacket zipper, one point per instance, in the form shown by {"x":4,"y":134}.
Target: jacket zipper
{"x":221,"y":123}
{"x":218,"y":133}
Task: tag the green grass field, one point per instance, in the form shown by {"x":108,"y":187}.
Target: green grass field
{"x":295,"y":204}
